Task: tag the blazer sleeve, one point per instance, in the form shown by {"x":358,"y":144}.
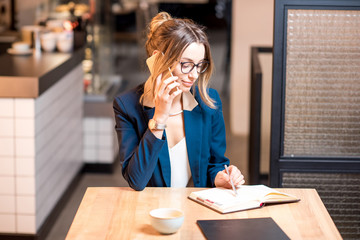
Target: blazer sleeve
{"x":218,"y":140}
{"x":139,"y":149}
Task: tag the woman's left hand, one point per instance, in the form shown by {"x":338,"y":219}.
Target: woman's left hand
{"x":222,"y":179}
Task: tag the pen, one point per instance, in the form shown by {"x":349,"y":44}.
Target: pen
{"x":232,"y":184}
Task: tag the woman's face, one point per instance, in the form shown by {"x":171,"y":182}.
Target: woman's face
{"x":194,"y":53}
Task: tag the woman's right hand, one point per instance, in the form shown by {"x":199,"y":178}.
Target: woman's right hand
{"x":165,"y":93}
{"x":222,"y":179}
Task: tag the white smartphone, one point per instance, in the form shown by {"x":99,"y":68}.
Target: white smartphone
{"x":150,"y":62}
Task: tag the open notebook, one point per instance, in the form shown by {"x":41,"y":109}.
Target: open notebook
{"x":248,"y":197}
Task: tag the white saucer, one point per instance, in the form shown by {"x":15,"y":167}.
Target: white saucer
{"x":15,"y":52}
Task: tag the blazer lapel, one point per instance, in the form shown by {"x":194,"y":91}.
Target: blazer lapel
{"x":164,"y":158}
{"x":193,"y":133}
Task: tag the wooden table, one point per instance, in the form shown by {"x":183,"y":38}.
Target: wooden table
{"x":122,"y":213}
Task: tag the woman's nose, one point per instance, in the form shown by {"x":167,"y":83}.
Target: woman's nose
{"x":194,"y":74}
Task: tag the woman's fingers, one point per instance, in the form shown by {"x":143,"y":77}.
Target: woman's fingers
{"x":176,"y":93}
{"x":222,"y":179}
{"x":239,"y":181}
{"x":158,"y":84}
{"x":167,"y":90}
{"x":171,"y":87}
{"x":167,"y":85}
{"x":235,"y":174}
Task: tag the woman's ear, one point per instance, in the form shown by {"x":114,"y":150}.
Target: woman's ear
{"x":155,"y":52}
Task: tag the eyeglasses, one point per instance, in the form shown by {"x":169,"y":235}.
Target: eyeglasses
{"x":187,"y":67}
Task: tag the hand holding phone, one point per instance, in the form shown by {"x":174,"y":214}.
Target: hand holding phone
{"x":150,"y":63}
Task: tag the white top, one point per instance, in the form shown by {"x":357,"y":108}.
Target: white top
{"x":180,"y":168}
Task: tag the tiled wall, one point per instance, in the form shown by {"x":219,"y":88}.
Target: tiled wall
{"x":40,"y":152}
{"x":100,"y":141}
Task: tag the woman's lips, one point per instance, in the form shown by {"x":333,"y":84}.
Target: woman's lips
{"x":187,"y":84}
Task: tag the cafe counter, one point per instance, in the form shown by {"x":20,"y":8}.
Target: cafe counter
{"x":41,"y":117}
{"x":30,"y":76}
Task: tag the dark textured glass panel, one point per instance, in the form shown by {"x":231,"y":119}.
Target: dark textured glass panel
{"x":340,"y":193}
{"x":322,"y":95}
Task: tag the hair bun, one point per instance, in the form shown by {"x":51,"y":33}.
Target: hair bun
{"x":156,"y":22}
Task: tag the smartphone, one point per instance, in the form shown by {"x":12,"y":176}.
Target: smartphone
{"x":150,"y":63}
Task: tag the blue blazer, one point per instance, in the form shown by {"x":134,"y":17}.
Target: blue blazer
{"x":145,"y":159}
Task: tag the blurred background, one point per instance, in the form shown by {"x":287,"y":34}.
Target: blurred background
{"x":108,"y":37}
{"x":62,"y":63}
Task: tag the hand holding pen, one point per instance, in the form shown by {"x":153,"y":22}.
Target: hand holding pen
{"x":231,"y":181}
{"x":223,"y":179}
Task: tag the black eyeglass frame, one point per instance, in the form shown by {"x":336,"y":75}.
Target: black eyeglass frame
{"x":195,"y":65}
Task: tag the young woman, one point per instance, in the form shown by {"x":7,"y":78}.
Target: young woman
{"x":171,"y":129}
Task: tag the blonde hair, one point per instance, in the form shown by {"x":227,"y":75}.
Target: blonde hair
{"x":171,"y":36}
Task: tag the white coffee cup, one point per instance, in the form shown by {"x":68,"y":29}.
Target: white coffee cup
{"x":48,"y":41}
{"x":65,"y":41}
{"x":20,"y":46}
{"x":166,"y":220}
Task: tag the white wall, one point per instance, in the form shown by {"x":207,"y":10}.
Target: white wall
{"x":40,"y":152}
{"x":100,"y":143}
{"x":252,"y":25}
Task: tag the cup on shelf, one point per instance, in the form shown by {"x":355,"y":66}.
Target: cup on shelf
{"x":20,"y":46}
{"x":65,"y":41}
{"x":48,"y":41}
